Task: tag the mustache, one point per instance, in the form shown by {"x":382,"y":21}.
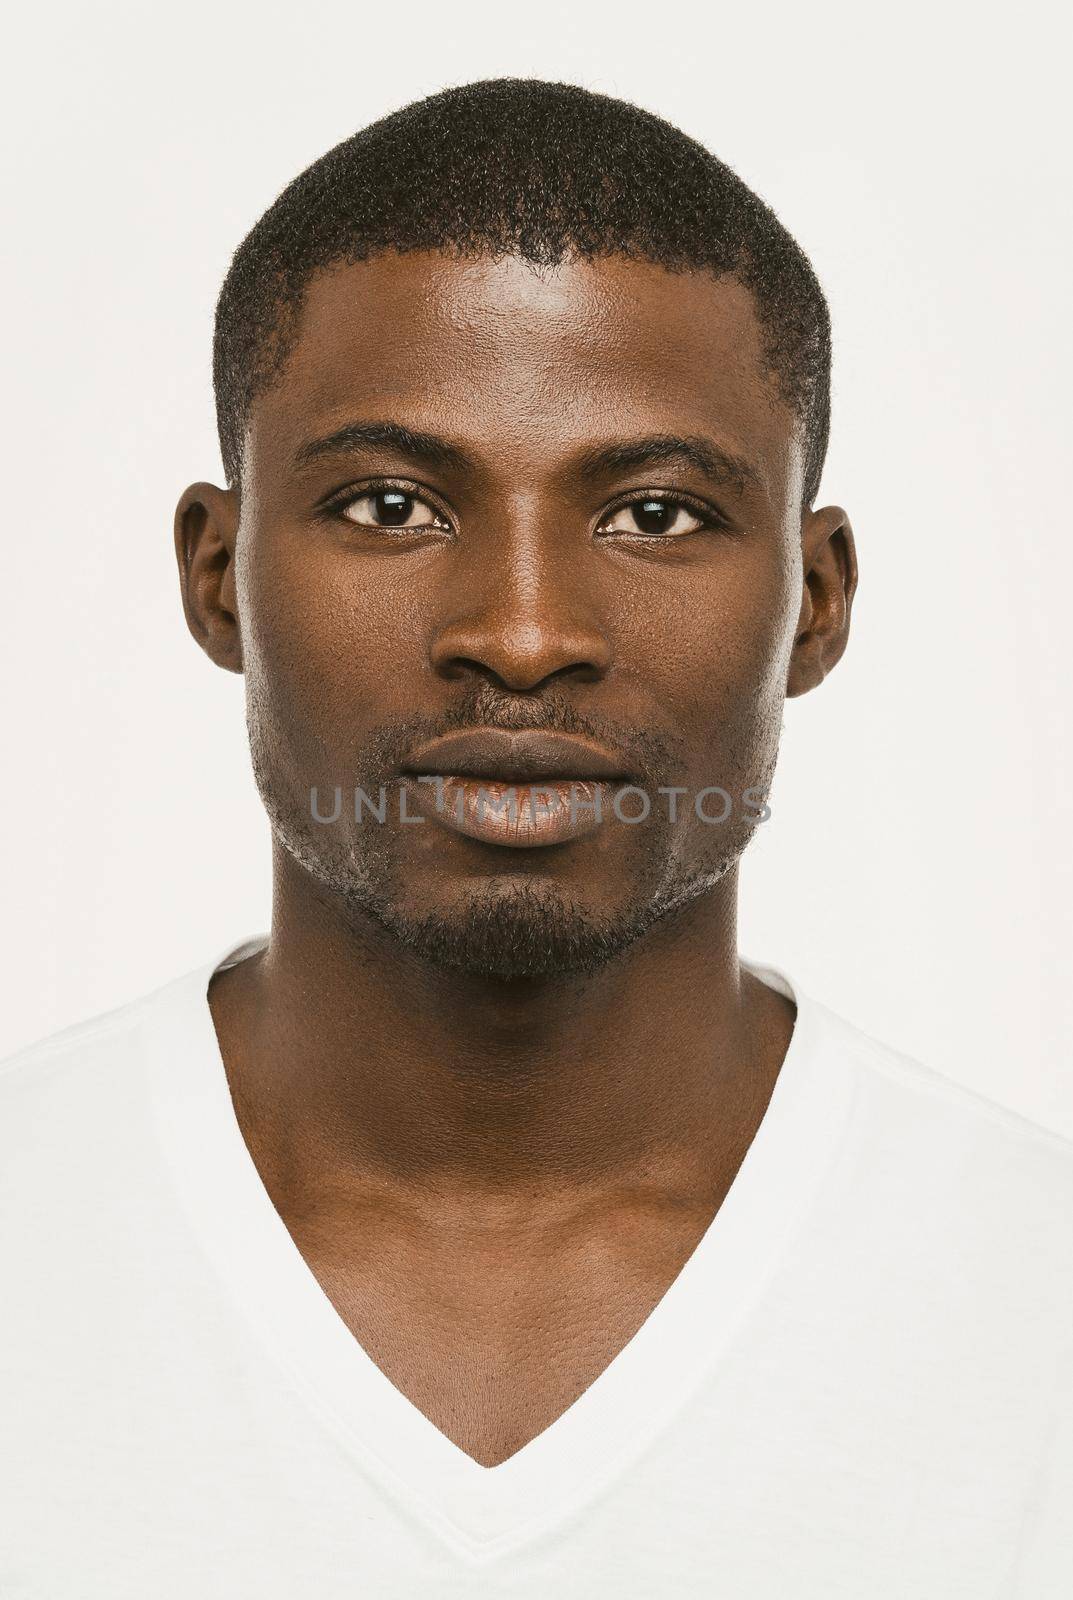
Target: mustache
{"x":651,"y":755}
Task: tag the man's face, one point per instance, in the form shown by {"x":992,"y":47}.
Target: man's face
{"x":526,"y":577}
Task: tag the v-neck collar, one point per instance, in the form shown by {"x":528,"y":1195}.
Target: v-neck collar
{"x":484,"y":1511}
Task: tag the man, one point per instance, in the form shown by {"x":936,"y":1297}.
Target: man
{"x":488,"y":1228}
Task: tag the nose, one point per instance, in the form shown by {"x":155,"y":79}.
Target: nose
{"x":524,"y":620}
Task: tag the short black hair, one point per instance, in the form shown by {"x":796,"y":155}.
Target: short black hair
{"x":519,"y":166}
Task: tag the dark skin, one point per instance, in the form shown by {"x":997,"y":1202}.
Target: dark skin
{"x":495,"y":1176}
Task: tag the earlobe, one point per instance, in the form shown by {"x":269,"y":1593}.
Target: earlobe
{"x":206,"y":528}
{"x":829,"y":582}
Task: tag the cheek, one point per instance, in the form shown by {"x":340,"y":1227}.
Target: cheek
{"x":324,"y":640}
{"x":718,"y":641}
{"x":737,"y":723}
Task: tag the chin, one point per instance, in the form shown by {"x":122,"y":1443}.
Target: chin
{"x":516,"y":931}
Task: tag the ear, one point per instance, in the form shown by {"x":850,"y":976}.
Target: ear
{"x":829,"y":564}
{"x":206,"y":528}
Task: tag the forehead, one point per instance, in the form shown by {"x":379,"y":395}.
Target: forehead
{"x":510,"y":358}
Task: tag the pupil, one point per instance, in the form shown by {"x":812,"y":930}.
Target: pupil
{"x":393,"y":507}
{"x":651,"y":515}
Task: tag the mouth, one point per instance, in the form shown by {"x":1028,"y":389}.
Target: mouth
{"x":519,"y":789}
{"x":502,"y":755}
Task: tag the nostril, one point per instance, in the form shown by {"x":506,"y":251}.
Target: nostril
{"x":522,"y":658}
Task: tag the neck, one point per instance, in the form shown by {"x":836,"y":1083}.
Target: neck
{"x":351,"y":1059}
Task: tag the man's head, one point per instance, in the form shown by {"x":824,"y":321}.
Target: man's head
{"x":523,"y":399}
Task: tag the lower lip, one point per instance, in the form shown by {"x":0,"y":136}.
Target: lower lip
{"x":519,"y":815}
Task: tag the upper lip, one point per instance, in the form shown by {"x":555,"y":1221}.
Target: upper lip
{"x":510,"y":756}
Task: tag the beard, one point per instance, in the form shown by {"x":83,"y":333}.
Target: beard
{"x":509,"y":927}
{"x":515,"y":930}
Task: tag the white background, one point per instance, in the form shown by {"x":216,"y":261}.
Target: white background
{"x":916,"y":873}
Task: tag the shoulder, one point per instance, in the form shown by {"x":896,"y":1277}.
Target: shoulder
{"x":72,"y":1049}
{"x":983,"y":1179}
{"x":878,"y":1066}
{"x":80,"y":1058}
{"x":69,"y":1093}
{"x":77,"y":1105}
{"x":926,"y":1092}
{"x":926,"y":1141}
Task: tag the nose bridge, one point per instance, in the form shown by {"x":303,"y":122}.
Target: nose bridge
{"x":521,"y":604}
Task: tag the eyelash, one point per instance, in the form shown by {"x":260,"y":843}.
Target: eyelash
{"x":338,"y":503}
{"x":708,"y":517}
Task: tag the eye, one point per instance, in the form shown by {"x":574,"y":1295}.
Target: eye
{"x":658,"y":516}
{"x":388,"y":507}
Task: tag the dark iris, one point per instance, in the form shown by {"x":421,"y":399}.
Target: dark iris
{"x":393,"y":507}
{"x":653,"y":516}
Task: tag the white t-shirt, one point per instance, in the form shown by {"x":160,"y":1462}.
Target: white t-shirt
{"x":860,"y":1387}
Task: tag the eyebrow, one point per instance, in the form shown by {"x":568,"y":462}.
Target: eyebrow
{"x":722,"y":466}
{"x":428,"y":448}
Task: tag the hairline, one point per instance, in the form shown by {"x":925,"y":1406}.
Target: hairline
{"x":281,"y":339}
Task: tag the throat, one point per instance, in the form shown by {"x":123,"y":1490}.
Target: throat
{"x":494,"y":1330}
